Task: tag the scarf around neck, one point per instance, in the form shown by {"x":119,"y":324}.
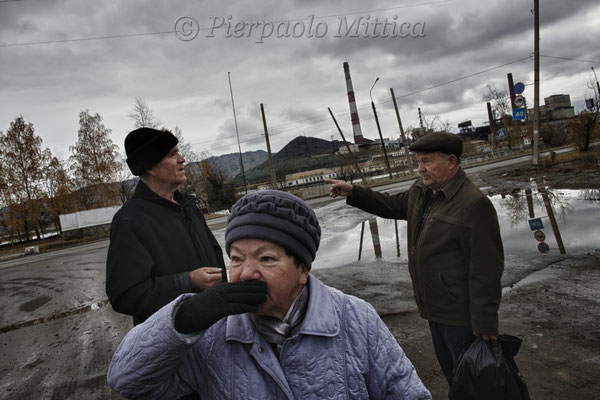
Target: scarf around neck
{"x":275,"y":331}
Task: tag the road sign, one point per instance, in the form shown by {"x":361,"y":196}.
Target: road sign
{"x":519,"y":87}
{"x":543,"y":247}
{"x":519,"y":113}
{"x":539,"y":236}
{"x":535,"y":224}
{"x":589,"y":103}
{"x":501,"y":132}
{"x":519,"y":101}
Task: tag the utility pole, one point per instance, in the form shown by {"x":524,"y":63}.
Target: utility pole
{"x":536,"y":88}
{"x":237,"y":134}
{"x":271,"y":168}
{"x":404,"y":141}
{"x":492,"y":125}
{"x":387,"y":162}
{"x":598,"y":86}
{"x":420,"y":117}
{"x":511,"y":90}
{"x":364,"y":180}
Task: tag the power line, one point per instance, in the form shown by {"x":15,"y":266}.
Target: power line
{"x":320,"y":119}
{"x":571,"y":59}
{"x":206,"y":29}
{"x":84,"y":39}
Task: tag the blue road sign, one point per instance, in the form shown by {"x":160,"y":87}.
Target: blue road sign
{"x":519,"y":87}
{"x":543,"y":247}
{"x":501,"y":132}
{"x":519,"y":114}
{"x":535,"y":224}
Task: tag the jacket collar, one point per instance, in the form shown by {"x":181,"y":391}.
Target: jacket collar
{"x":143,"y":191}
{"x":451,"y":187}
{"x":320,"y":320}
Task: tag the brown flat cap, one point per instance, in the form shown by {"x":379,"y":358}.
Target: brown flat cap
{"x":443,"y":142}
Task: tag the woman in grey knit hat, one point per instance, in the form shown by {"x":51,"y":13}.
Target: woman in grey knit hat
{"x":274,"y":332}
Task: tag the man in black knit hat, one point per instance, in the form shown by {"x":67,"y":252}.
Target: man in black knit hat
{"x":160,"y":245}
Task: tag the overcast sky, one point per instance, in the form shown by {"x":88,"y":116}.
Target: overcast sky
{"x":48,"y":76}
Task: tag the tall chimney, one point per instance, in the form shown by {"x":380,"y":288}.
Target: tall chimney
{"x":358,"y":137}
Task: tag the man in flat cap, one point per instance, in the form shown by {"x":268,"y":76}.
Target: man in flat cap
{"x":160,"y":245}
{"x":455,"y":252}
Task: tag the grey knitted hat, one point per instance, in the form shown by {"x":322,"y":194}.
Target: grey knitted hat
{"x":277,"y":217}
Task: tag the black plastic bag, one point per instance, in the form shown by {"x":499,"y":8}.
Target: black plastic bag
{"x":487,"y":370}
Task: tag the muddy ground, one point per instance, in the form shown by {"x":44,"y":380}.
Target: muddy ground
{"x":558,"y":319}
{"x":560,"y":176}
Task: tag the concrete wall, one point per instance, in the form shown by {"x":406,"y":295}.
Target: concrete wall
{"x":82,"y":223}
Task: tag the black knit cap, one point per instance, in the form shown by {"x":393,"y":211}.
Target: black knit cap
{"x":444,"y":142}
{"x":145,"y":147}
{"x":277,"y":217}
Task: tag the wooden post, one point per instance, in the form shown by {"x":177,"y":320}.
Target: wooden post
{"x":348,"y":147}
{"x":397,"y":238}
{"x":529,"y":203}
{"x":404,"y":141}
{"x":271,"y":167}
{"x":550,"y":212}
{"x":375,"y":237}
{"x":362,"y":232}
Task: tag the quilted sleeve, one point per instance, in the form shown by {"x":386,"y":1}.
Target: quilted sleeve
{"x":391,"y":374}
{"x":154,"y":361}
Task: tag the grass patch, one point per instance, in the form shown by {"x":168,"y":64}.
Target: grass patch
{"x":576,"y":159}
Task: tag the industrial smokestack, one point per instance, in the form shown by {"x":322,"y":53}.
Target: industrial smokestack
{"x":358,"y":137}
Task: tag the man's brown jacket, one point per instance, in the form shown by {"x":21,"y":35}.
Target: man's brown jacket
{"x":455,"y":257}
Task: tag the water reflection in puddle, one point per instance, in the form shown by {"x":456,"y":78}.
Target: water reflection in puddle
{"x":577,"y":214}
{"x":537,"y":276}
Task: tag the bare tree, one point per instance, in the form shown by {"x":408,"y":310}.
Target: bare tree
{"x":445,"y":126}
{"x":499,"y":98}
{"x":501,"y":108}
{"x":94,"y":162}
{"x":125,"y":180}
{"x":585,"y":128}
{"x":143,"y":116}
{"x":185,"y":148}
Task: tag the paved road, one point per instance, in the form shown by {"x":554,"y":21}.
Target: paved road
{"x":57,"y":334}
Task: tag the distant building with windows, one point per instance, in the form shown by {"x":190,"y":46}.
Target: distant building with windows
{"x":309,"y":177}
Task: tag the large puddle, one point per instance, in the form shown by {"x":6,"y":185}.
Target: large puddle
{"x":577,"y":214}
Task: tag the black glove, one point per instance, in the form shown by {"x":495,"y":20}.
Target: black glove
{"x":202,"y":310}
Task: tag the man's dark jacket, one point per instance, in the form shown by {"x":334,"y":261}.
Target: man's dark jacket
{"x":154,"y":244}
{"x":456,"y":257}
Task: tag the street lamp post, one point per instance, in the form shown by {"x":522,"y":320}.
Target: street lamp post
{"x":237,"y":134}
{"x":387,"y":162}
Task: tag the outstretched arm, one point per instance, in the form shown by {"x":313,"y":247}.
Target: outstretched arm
{"x":339,"y":188}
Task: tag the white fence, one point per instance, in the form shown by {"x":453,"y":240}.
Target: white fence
{"x":88,"y":218}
